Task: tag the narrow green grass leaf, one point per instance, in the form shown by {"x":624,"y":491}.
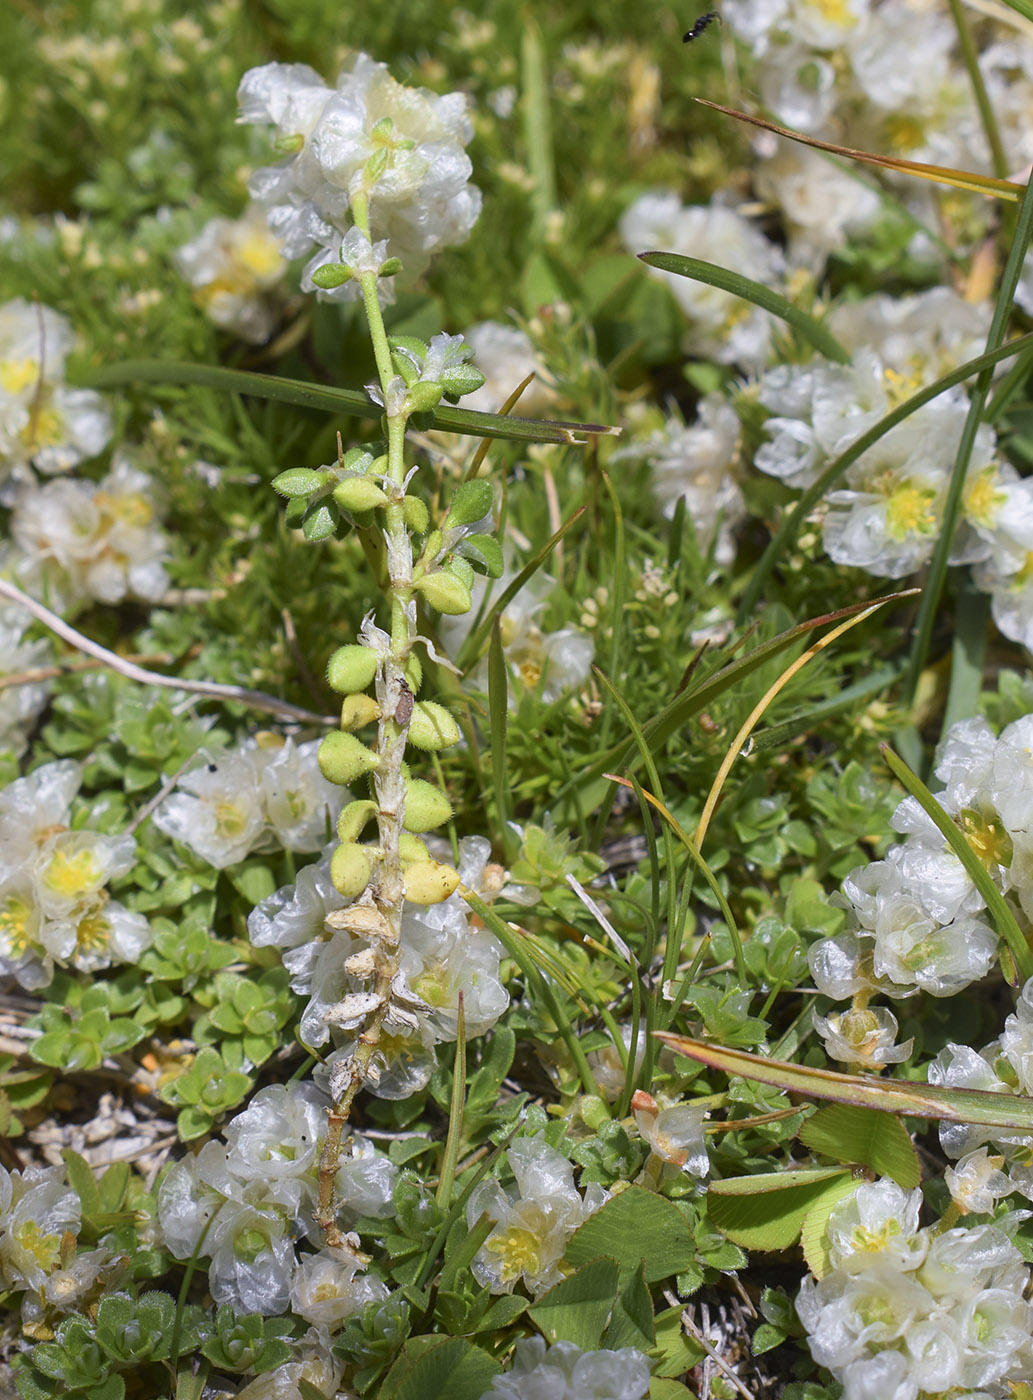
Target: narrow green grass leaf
{"x":324,"y":397}
{"x":447,"y":1176}
{"x":1021,"y":7}
{"x":782,"y":540}
{"x":498,"y":719}
{"x":968,"y":653}
{"x":1003,"y":918}
{"x":933,"y":1101}
{"x":864,"y":1138}
{"x":808,"y":327}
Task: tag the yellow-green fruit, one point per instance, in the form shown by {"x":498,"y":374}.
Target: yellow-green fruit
{"x":429,"y":882}
{"x":425,"y":806}
{"x":417,"y":516}
{"x":342,"y":758}
{"x":359,"y":710}
{"x":359,"y":493}
{"x":432,"y":727}
{"x":350,"y":869}
{"x":444,"y":592}
{"x":351,"y":669}
{"x":411,"y":848}
{"x":354,"y":818}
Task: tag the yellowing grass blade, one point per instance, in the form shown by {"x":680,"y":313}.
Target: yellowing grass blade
{"x":1013,"y":1112}
{"x":939,"y":174}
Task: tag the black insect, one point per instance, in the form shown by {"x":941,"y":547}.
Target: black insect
{"x":701,"y":24}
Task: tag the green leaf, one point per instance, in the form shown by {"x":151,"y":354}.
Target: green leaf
{"x":766,"y":1338}
{"x":636,"y":1227}
{"x":299,"y":481}
{"x":866,"y":1138}
{"x":767,"y":1212}
{"x":935,"y":1101}
{"x":1004,"y":919}
{"x":472,"y":502}
{"x":337,"y":401}
{"x":813,"y":1238}
{"x":452,"y":1370}
{"x":676,"y":1351}
{"x":253,"y":879}
{"x":631,"y":1324}
{"x":488,"y":548}
{"x":810,"y":329}
{"x":502,"y":1313}
{"x":578,"y":1309}
{"x":82,"y":1181}
{"x":664,"y":1388}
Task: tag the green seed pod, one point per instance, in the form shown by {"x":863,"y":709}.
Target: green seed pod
{"x":358,"y":711}
{"x":424,"y":395}
{"x":432,"y":727}
{"x":425,"y":806}
{"x":417,"y":516}
{"x":354,"y":819}
{"x":351,"y":668}
{"x":350,"y":869}
{"x":429,"y":882}
{"x":411,"y":848}
{"x":342,"y":758}
{"x":359,"y":493}
{"x":444,"y":592}
{"x":414,"y":673}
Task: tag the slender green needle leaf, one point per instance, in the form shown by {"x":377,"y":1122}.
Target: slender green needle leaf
{"x":446,"y":1180}
{"x":782,"y":540}
{"x":934,"y":1101}
{"x":322,"y":396}
{"x":968,"y":653}
{"x":498,"y":715}
{"x":1004,"y":919}
{"x":807,"y":326}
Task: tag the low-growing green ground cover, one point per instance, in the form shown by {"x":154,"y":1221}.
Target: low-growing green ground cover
{"x":516,"y":895}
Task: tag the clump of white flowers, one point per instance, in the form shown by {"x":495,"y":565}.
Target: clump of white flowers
{"x":547,"y":663}
{"x":247,"y":1203}
{"x":564,"y":1372}
{"x":722,"y":326}
{"x":20,"y":704}
{"x":237,"y":270}
{"x":54,"y":903}
{"x":399,"y":148}
{"x":699,"y":463}
{"x":533,"y":1221}
{"x":505,"y":356}
{"x":674,"y":1132}
{"x":266,"y":793}
{"x":916,"y":920}
{"x":79,"y":541}
{"x":444,"y":954}
{"x":43,"y":422}
{"x":908,"y":1311}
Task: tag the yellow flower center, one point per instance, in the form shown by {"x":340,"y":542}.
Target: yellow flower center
{"x":14,"y":922}
{"x":72,"y":873}
{"x":909,"y":511}
{"x":518,"y":1252}
{"x":45,"y":1249}
{"x":260,"y":254}
{"x":133,"y":509}
{"x":18,"y":375}
{"x":983,"y":500}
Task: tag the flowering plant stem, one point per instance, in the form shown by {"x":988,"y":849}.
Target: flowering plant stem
{"x":395,"y":701}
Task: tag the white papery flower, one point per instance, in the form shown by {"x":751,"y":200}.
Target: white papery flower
{"x":20,"y":705}
{"x":698,"y":462}
{"x":866,"y":1038}
{"x":505,"y":356}
{"x":532,"y":1223}
{"x":326,"y":1289}
{"x":880,"y":1219}
{"x":674,"y":1133}
{"x":823,"y":205}
{"x":420,"y":199}
{"x":263,"y":794}
{"x":564,"y":1372}
{"x":37,"y":1209}
{"x":80,"y":541}
{"x":236,"y":267}
{"x":977,"y":1182}
{"x":42,"y":421}
{"x":722,"y":326}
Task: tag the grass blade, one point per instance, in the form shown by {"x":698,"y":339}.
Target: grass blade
{"x":323,"y":396}
{"x":1004,"y":919}
{"x":939,"y":174}
{"x":807,"y":327}
{"x":446,"y":1180}
{"x":935,"y":1101}
{"x":498,"y":718}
